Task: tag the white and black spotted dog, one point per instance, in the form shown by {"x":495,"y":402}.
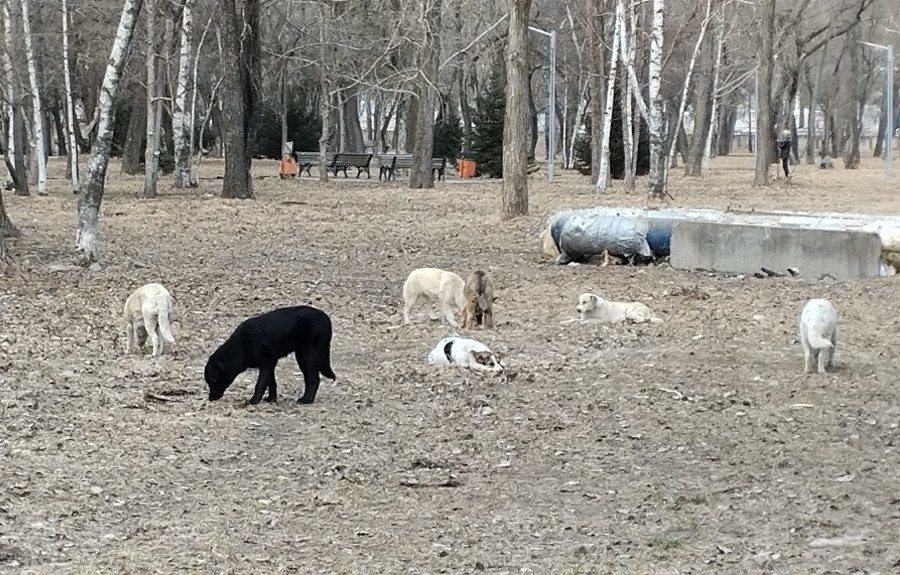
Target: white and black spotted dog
{"x":464,"y":352}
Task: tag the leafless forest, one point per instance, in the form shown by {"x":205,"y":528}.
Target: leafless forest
{"x":133,"y":131}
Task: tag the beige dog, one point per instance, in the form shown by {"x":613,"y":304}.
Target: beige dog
{"x":147,"y":312}
{"x":592,"y":306}
{"x":439,"y":288}
{"x":478,"y":301}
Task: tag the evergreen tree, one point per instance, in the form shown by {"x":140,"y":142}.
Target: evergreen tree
{"x":487,"y":130}
{"x":448,"y":136}
{"x":616,"y":147}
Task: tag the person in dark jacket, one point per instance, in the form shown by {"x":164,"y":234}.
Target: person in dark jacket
{"x":783,"y":144}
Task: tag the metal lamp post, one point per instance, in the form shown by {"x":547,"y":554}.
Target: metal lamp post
{"x":551,"y":104}
{"x":889,"y":106}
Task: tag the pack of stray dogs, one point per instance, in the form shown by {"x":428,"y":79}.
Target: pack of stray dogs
{"x":262,"y":340}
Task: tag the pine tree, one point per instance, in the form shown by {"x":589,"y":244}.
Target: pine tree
{"x":487,"y":130}
{"x":616,"y":147}
{"x":448,"y":136}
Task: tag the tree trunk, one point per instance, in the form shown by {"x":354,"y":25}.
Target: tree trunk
{"x":857,"y":102}
{"x":37,"y":110}
{"x":7,"y":230}
{"x":182,"y":123}
{"x":765,"y":66}
{"x":134,"y":138}
{"x":10,"y":93}
{"x":92,"y":192}
{"x":412,"y":117}
{"x":324,"y":97}
{"x":703,"y":97}
{"x":421,"y":175}
{"x":603,"y":178}
{"x":154,"y":100}
{"x":813,"y":105}
{"x":19,"y":155}
{"x":656,"y":179}
{"x":240,"y":39}
{"x":708,"y":149}
{"x":727,"y":124}
{"x":630,"y":128}
{"x":515,"y":131}
{"x":595,"y":82}
{"x":466,"y":113}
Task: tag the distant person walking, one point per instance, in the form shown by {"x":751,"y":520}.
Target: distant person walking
{"x":783,"y":144}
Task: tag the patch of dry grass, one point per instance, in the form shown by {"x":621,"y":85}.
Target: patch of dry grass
{"x":692,"y":446}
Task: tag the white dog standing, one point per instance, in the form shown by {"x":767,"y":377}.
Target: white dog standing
{"x":592,"y":306}
{"x":438,"y":288}
{"x":465,"y":352}
{"x":818,"y":334}
{"x":147,"y":313}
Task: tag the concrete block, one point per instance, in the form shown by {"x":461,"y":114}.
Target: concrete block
{"x":737,"y":248}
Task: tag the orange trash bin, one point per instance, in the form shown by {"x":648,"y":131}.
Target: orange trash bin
{"x":287,"y":166}
{"x":465,"y":168}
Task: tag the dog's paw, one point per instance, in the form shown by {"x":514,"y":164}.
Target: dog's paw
{"x":305,"y":400}
{"x":271,"y":399}
{"x":252,"y":401}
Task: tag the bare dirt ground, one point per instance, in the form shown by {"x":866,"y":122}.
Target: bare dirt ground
{"x":692,"y":446}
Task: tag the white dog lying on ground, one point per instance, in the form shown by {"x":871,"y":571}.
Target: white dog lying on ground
{"x":147,"y":312}
{"x":438,"y":288}
{"x":818,"y":334}
{"x":465,"y":352}
{"x":594,"y":307}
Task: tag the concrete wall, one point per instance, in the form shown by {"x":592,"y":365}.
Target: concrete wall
{"x":744,"y":249}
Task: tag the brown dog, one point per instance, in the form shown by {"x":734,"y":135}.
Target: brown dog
{"x":478,"y":301}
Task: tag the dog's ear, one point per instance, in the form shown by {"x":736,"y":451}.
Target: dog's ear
{"x":595,"y":299}
{"x":482,"y":357}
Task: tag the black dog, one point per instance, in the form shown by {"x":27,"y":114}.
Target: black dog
{"x":264,"y":339}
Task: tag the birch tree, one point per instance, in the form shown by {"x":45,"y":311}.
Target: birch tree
{"x":182,"y":124}
{"x":515,"y":123}
{"x":656,"y":179}
{"x":95,"y":175}
{"x":71,"y":126}
{"x":154,"y":100}
{"x":37,"y":112}
{"x":603,"y":177}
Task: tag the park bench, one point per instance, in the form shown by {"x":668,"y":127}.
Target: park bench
{"x":343,"y":161}
{"x":306,"y":160}
{"x":388,"y":163}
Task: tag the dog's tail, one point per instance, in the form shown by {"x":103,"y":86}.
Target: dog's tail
{"x":163,"y":322}
{"x":325,"y":363}
{"x":818,"y":342}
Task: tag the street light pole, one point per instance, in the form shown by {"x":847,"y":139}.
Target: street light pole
{"x":551,"y":101}
{"x":888,"y":105}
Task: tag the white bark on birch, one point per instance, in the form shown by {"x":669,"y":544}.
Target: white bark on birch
{"x":70,"y":103}
{"x":684,"y":92}
{"x":154,"y":102}
{"x":627,"y":53}
{"x":95,"y":175}
{"x":37,"y":115}
{"x":656,"y":178}
{"x":182,"y":124}
{"x":603,"y":177}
